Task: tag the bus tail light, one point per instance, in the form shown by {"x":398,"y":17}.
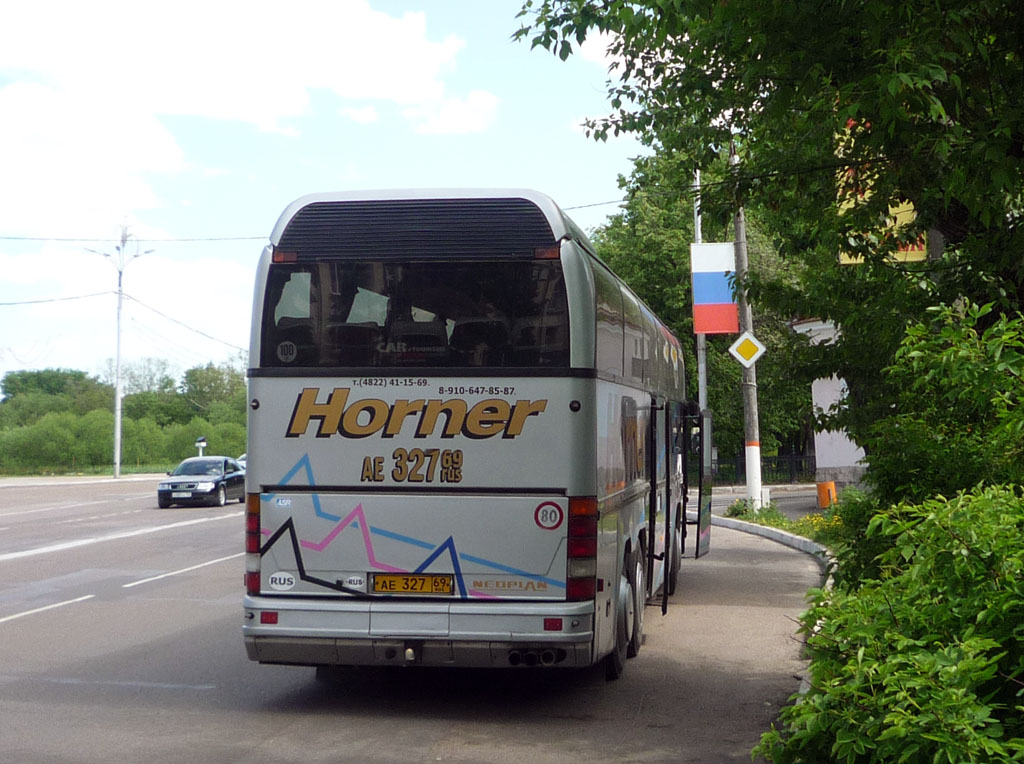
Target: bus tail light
{"x":581,"y":549}
{"x":252,"y":543}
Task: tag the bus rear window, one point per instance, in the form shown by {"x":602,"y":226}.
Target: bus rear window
{"x":483,"y":314}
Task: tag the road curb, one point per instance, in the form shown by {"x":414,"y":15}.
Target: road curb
{"x":800,"y":543}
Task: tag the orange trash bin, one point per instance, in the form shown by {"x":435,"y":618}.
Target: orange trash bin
{"x":826,"y":494}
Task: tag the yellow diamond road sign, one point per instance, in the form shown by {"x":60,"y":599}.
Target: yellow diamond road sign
{"x":747,"y":349}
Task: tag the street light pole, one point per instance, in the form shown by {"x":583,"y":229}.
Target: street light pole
{"x":119,"y":263}
{"x":117,"y":360}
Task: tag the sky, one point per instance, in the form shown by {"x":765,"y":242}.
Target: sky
{"x":192,"y":125}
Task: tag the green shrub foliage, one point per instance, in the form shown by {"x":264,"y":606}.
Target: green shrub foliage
{"x":925,"y":662}
{"x":62,"y":420}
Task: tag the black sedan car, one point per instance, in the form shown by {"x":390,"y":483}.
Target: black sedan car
{"x":211,"y":480}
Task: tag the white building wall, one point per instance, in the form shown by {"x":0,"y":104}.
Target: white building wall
{"x":837,"y":457}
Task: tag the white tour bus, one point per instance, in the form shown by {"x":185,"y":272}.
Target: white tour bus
{"x":467,"y":440}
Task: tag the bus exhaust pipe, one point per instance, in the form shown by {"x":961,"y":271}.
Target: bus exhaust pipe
{"x":547,"y":658}
{"x":515,"y":658}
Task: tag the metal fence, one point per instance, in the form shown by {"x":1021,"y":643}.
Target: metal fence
{"x":788,"y":468}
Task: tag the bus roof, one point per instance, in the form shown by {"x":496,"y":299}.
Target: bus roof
{"x":383,"y":218}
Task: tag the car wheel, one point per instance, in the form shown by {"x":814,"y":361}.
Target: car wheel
{"x":222,"y":495}
{"x":163,"y":503}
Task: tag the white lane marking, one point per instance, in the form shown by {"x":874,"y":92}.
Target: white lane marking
{"x":143,"y":685}
{"x":64,"y":546}
{"x":53,"y":508}
{"x":90,"y":518}
{"x":5,"y":619}
{"x":183,"y":570}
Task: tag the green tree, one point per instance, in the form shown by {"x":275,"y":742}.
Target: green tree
{"x":838,"y":112}
{"x":227,"y":438}
{"x":146,"y":375}
{"x":48,"y":444}
{"x":204,"y":385}
{"x":959,"y":417}
{"x":920,"y":101}
{"x":162,"y":406}
{"x":29,"y":407}
{"x":648,"y":245}
{"x":181,"y":439}
{"x":94,"y":438}
{"x":143,"y":443}
{"x":68,"y":390}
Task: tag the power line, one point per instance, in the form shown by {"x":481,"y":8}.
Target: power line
{"x":186,"y":326}
{"x":133,"y":299}
{"x":57,"y":299}
{"x":80,"y":240}
{"x":595,"y":204}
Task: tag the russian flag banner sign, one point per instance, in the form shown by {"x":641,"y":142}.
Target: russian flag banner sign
{"x":714,"y":307}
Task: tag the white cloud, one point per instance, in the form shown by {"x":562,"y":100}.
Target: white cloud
{"x":246,"y":61}
{"x":364,"y":115}
{"x":595,"y":49}
{"x":81,"y":126}
{"x":84,"y":155}
{"x":473,"y":114}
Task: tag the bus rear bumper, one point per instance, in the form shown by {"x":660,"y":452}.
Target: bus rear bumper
{"x":367,"y":633}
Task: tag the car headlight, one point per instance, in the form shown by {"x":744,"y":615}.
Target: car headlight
{"x":206,"y":486}
{"x":164,"y":487}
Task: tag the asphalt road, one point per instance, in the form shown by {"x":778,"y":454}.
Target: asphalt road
{"x":120,"y":641}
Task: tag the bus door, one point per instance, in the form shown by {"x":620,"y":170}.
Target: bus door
{"x":696,"y":450}
{"x":675,"y":492}
{"x":664,"y":485}
{"x":656,"y":464}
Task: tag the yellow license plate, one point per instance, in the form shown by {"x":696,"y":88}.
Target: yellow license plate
{"x":412,"y":583}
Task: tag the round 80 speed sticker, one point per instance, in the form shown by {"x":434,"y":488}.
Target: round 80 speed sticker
{"x":548,"y":515}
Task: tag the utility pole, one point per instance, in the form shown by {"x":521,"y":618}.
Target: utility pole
{"x":751,"y":430}
{"x":119,"y":263}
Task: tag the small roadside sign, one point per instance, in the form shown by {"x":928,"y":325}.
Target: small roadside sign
{"x":747,"y":349}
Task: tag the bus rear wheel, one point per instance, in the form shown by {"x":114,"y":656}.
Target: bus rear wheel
{"x":638,"y":591}
{"x":677,"y":555}
{"x":615,"y":661}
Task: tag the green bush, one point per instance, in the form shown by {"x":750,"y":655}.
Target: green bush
{"x":93,"y":439}
{"x":959,"y":417}
{"x":925,"y":662}
{"x":855,"y":551}
{"x":142,"y":443}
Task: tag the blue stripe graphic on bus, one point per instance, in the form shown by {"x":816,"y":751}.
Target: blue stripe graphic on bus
{"x":304,"y":464}
{"x":353,"y":521}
